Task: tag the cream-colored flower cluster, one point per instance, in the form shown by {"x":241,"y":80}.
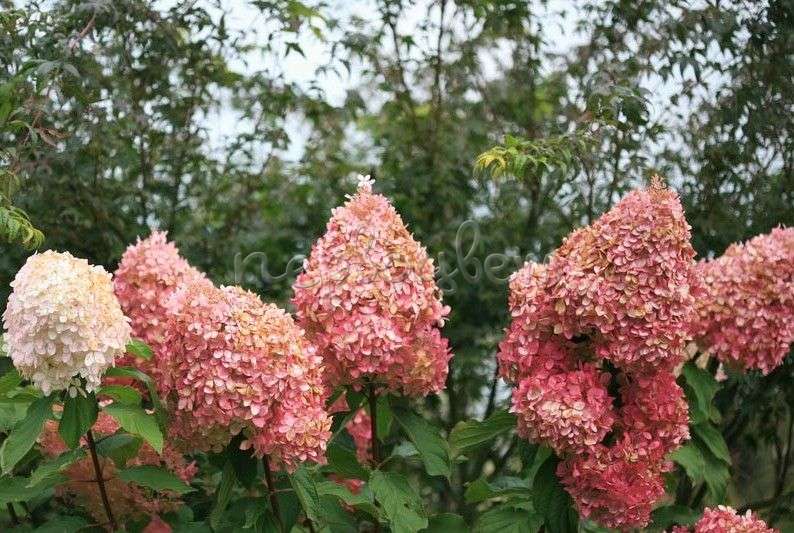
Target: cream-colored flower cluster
{"x":63,"y":322}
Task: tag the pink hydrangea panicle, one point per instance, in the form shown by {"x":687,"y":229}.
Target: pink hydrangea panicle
{"x":360,"y":428}
{"x":569,"y":412}
{"x":724,"y":519}
{"x":609,"y":312}
{"x":149,"y":272}
{"x":368,"y":300}
{"x":129,"y":501}
{"x":613,"y":486}
{"x":63,"y":323}
{"x":242,"y":365}
{"x":746,"y":315}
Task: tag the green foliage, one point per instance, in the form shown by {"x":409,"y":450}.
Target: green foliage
{"x":138,"y":422}
{"x":79,"y":414}
{"x":155,"y":478}
{"x":432,"y":448}
{"x":21,"y":439}
{"x":400,"y":503}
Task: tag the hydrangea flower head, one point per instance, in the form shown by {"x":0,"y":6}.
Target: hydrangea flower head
{"x":569,"y":411}
{"x":595,"y":335}
{"x":368,"y":300}
{"x":148,"y":273}
{"x":238,"y":364}
{"x":724,"y":519}
{"x":746,"y":314}
{"x":63,"y":322}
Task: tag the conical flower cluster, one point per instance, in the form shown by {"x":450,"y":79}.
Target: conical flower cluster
{"x":63,"y":322}
{"x":235,"y":364}
{"x":746,"y":314}
{"x":368,"y":301}
{"x":594,"y":337}
{"x":148,"y":273}
{"x":723,"y":519}
{"x":129,"y":501}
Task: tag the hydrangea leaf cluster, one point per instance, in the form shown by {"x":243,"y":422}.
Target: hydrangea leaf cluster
{"x":723,"y":519}
{"x":129,"y":501}
{"x":595,"y":335}
{"x":237,"y":364}
{"x":149,"y":272}
{"x":368,"y":300}
{"x":746,"y":313}
{"x":63,"y":322}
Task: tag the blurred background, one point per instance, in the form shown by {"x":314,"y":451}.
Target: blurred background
{"x":237,"y":126}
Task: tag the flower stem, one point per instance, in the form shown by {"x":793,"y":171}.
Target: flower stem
{"x":271,"y":489}
{"x":100,"y":479}
{"x":373,"y":426}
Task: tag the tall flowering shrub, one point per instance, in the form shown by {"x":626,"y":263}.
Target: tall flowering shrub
{"x":368,"y":300}
{"x":234,"y":363}
{"x":63,"y":323}
{"x":746,"y":314}
{"x":149,"y":272}
{"x":594,"y":338}
{"x":129,"y":500}
{"x":723,"y":519}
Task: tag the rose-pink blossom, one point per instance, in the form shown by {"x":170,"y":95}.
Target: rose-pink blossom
{"x":746,"y":314}
{"x":237,"y":364}
{"x":724,"y":519}
{"x":148,"y":273}
{"x":368,"y":300}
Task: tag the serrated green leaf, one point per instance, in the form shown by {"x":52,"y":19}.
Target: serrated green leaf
{"x":139,"y":349}
{"x":714,"y":441}
{"x":700,"y":387}
{"x":151,"y":388}
{"x":155,"y":478}
{"x":222,"y":495}
{"x":507,"y":519}
{"x":138,"y":422}
{"x":399,"y":501}
{"x":9,"y":381}
{"x":305,"y":488}
{"x":689,"y":457}
{"x":446,"y":523}
{"x":79,"y":415}
{"x":52,"y":468}
{"x":433,"y":449}
{"x":121,"y":393}
{"x":552,"y":501}
{"x":472,"y":434}
{"x":120,"y":447}
{"x":25,"y":433}
{"x":343,"y":461}
{"x":481,"y":489}
{"x":665,"y":517}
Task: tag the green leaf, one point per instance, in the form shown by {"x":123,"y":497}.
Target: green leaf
{"x":433,"y":449}
{"x":343,"y":461}
{"x":151,"y":388}
{"x":446,"y":523}
{"x":25,"y":433}
{"x":9,"y":381}
{"x":399,"y":501}
{"x":481,"y":490}
{"x":305,"y":489}
{"x":714,"y":440}
{"x":139,"y":349}
{"x":700,"y":387}
{"x":552,"y":501}
{"x":362,"y":501}
{"x":15,"y":489}
{"x":689,"y":457}
{"x":51,"y":469}
{"x":506,"y":519}
{"x":716,"y":474}
{"x":138,"y":422}
{"x":155,"y":478}
{"x":472,"y":434}
{"x":61,"y":524}
{"x":79,"y":415}
{"x":121,"y":393}
{"x":120,"y":447}
{"x":665,"y":517}
{"x":223,"y":495}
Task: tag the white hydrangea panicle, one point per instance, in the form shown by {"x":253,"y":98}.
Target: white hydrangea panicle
{"x":63,"y":322}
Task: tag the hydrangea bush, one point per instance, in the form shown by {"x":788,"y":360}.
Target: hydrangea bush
{"x":228,"y":414}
